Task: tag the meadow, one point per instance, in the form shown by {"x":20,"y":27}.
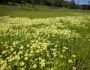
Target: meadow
{"x":39,"y":11}
{"x":44,"y":42}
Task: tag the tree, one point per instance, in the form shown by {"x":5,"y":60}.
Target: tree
{"x":33,"y":3}
{"x":60,"y":3}
{"x":22,"y":3}
{"x":78,"y":6}
{"x":56,"y":3}
{"x":51,"y":3}
{"x":72,"y":4}
{"x":42,"y":2}
{"x":72,"y":1}
{"x":66,"y":4}
{"x":13,"y":1}
{"x":89,"y":2}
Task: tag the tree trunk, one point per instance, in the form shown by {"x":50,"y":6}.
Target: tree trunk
{"x":13,"y":1}
{"x":52,"y":5}
{"x":33,"y":3}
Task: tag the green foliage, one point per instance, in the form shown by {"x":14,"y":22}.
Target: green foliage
{"x":52,"y":3}
{"x":72,"y":5}
{"x":58,"y":3}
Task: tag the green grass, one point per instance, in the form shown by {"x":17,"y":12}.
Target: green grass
{"x":39,"y":11}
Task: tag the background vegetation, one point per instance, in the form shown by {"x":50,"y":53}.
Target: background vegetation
{"x":51,"y":3}
{"x":39,"y":11}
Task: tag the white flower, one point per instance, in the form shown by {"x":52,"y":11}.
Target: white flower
{"x":34,"y":66}
{"x":38,"y":46}
{"x":14,"y":52}
{"x":73,"y":56}
{"x":20,"y":52}
{"x":70,"y":61}
{"x":54,"y":53}
{"x":39,"y":58}
{"x":21,"y":47}
{"x":3,"y":52}
{"x":1,"y":62}
{"x":17,"y":57}
{"x":22,"y":63}
{"x":61,"y":56}
{"x":26,"y":54}
{"x":25,"y":58}
{"x":55,"y":45}
{"x":74,"y":68}
{"x":65,"y":48}
{"x":12,"y":49}
{"x":42,"y":63}
{"x":37,"y":51}
{"x":28,"y":45}
{"x":22,"y":68}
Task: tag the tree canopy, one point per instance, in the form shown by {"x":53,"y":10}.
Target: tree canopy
{"x":55,"y":3}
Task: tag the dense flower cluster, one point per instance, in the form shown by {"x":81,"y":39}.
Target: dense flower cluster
{"x":28,"y":44}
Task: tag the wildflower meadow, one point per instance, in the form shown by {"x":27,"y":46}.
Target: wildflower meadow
{"x":58,"y":43}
